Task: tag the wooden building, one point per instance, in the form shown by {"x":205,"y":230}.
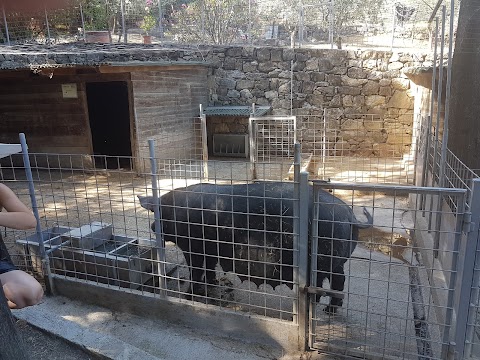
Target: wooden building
{"x":111,"y":109}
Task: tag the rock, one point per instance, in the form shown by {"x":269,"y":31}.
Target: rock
{"x":370,"y":88}
{"x":245,"y":84}
{"x":353,"y":124}
{"x":400,"y":84}
{"x":397,"y":65}
{"x":400,"y":100}
{"x":276,"y":55}
{"x":357,"y":73}
{"x":271,"y":94}
{"x":324,"y":65}
{"x":311,"y":65}
{"x":349,"y":90}
{"x":234,"y":94}
{"x":385,"y":91}
{"x":250,"y":66}
{"x":318,"y":76}
{"x":227,"y":83}
{"x":345,"y":80}
{"x":374,"y":101}
{"x":316,"y":100}
{"x":263,"y":54}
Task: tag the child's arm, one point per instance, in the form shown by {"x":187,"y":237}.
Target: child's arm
{"x":18,"y":216}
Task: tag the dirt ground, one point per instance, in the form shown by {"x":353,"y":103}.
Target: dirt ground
{"x":43,"y":346}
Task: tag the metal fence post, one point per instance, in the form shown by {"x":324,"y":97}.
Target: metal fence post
{"x":302,"y":295}
{"x":252,"y":149}
{"x":160,"y":18}
{"x":48,"y":26}
{"x":469,"y":280}
{"x":429,"y":122}
{"x":331,"y":25}
{"x":452,"y":283}
{"x":296,"y":230}
{"x":203,"y":120}
{"x":38,"y":229}
{"x":7,"y":34}
{"x":437,"y":126}
{"x":124,"y":30}
{"x":160,"y":244}
{"x":83,"y":23}
{"x":394,"y":20}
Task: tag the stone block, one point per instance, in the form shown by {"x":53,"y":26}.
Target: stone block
{"x":345,"y":80}
{"x":263,"y":54}
{"x":353,"y":124}
{"x":311,"y":65}
{"x":397,"y":65}
{"x":318,"y":76}
{"x":374,"y":101}
{"x":400,"y":83}
{"x":349,"y":90}
{"x":276,"y":55}
{"x":324,"y":65}
{"x":357,"y":73}
{"x":271,"y":94}
{"x":250,"y":66}
{"x":245,"y":84}
{"x":400,"y":100}
{"x":371,"y":88}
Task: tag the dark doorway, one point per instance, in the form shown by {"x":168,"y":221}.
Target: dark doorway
{"x":109,"y":115}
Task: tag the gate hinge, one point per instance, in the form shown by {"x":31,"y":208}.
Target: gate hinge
{"x":467,"y":223}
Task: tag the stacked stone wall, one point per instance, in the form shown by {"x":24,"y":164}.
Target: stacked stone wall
{"x":338,"y":85}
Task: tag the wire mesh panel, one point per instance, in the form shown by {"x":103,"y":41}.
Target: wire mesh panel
{"x":274,"y":137}
{"x":388,"y":296}
{"x":228,"y":242}
{"x":272,"y":141}
{"x":181,"y":150}
{"x":358,"y":147}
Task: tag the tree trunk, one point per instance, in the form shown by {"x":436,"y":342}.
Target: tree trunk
{"x":464,"y":132}
{"x":11,"y":344}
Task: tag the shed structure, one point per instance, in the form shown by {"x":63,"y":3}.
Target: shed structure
{"x":109,"y":110}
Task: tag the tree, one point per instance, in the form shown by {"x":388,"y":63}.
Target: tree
{"x":211,"y":21}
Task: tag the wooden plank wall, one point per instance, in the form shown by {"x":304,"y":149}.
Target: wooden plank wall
{"x":34,"y":104}
{"x":166,"y":106}
{"x":51,"y":123}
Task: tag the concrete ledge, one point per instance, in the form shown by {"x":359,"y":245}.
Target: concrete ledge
{"x":99,"y":345}
{"x":277,"y":334}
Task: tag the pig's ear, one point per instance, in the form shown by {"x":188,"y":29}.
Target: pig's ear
{"x":147,"y":202}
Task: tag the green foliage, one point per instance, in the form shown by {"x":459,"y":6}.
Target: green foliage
{"x":96,"y":15}
{"x":210,"y":21}
{"x":148,"y":23}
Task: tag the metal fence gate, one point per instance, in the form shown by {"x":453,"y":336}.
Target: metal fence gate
{"x":400,"y":299}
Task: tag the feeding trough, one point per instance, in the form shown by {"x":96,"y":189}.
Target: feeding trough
{"x":95,"y":252}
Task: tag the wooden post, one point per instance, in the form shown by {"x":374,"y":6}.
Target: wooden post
{"x":12,"y":347}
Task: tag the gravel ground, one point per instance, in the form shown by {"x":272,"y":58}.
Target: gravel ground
{"x":43,"y":346}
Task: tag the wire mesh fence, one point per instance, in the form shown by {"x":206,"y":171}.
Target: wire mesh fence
{"x":230,"y":243}
{"x":359,"y":147}
{"x":327,"y":23}
{"x":392,"y":300}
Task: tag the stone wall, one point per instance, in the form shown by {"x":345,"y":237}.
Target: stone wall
{"x":343,"y":85}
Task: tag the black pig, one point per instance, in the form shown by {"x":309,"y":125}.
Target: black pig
{"x":248,"y":229}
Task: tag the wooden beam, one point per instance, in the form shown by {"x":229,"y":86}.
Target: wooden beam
{"x":108,"y":69}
